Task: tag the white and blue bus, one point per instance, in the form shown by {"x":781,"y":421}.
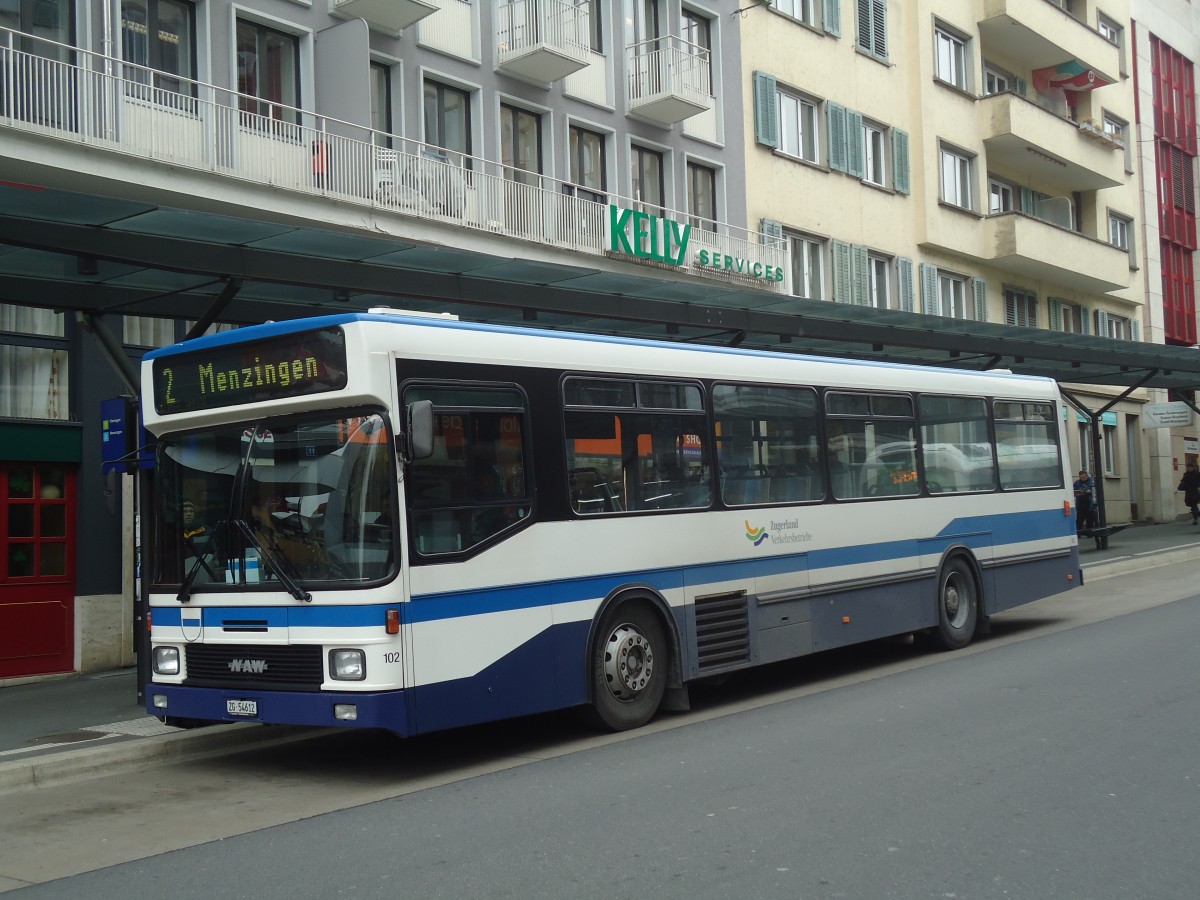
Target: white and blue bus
{"x":408,"y":522}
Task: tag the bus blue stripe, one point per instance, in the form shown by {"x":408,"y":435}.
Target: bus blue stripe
{"x":974,"y":531}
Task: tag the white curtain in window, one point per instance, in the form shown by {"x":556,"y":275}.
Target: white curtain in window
{"x":144,"y":331}
{"x":30,"y":320}
{"x":32,"y":383}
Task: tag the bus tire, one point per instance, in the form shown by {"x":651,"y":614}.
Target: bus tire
{"x":629,"y":667}
{"x":958,"y":604}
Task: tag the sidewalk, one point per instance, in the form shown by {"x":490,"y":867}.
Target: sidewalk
{"x":65,"y":727}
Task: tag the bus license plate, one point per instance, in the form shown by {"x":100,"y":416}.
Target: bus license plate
{"x":241,"y":707}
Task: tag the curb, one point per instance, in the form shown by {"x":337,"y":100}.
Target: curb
{"x":54,"y":769}
{"x":1123,"y":565}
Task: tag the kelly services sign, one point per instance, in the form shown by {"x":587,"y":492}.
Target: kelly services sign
{"x":643,"y":236}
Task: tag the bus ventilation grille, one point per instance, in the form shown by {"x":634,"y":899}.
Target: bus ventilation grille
{"x":722,"y":629}
{"x":293,"y":668}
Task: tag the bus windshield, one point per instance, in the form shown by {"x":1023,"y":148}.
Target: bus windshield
{"x":277,"y":503}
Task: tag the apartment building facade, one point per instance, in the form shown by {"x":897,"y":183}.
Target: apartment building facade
{"x":968,"y":160}
{"x":1164,"y":46}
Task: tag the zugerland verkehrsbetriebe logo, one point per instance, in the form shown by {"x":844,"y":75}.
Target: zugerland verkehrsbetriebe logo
{"x":786,"y":531}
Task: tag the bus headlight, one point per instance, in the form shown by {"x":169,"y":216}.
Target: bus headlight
{"x":166,"y":660}
{"x":347,"y":665}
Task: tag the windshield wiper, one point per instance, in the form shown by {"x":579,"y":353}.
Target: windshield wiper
{"x":278,"y":562}
{"x":185,"y":589}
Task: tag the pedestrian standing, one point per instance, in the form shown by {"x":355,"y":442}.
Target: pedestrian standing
{"x":1084,"y":486}
{"x":1190,"y":485}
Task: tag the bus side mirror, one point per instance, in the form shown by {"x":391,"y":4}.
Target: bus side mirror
{"x":419,"y":433}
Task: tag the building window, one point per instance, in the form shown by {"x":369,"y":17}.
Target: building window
{"x":146,"y":331}
{"x":1119,"y":328}
{"x":381,"y":104}
{"x":702,"y":196}
{"x":996,"y":81}
{"x":1118,"y":231}
{"x":1085,"y":447}
{"x":879,"y":270}
{"x":1179,"y":293}
{"x":952,"y":296}
{"x":646,"y":179}
{"x":950,"y":57}
{"x":588,"y":168}
{"x":1069,"y":317}
{"x":956,"y":178}
{"x":448,"y":120}
{"x":800,"y":10}
{"x":872,"y":27}
{"x":521,"y":145}
{"x":268,"y":72}
{"x":33,"y":363}
{"x":808,"y":276}
{"x":798,"y":134}
{"x":1000,"y":196}
{"x":595,"y":24}
{"x":1108,"y":443}
{"x":874,"y":154}
{"x":52,"y":20}
{"x":697,"y":35}
{"x":1020,"y":308}
{"x":160,"y":34}
{"x":1109,"y":30}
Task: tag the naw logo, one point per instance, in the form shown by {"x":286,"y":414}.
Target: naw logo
{"x":755,"y":535}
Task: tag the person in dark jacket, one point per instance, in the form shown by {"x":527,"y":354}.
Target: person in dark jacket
{"x":1190,"y":485}
{"x":1084,"y":493}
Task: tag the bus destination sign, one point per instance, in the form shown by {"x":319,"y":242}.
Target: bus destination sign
{"x":292,"y":365}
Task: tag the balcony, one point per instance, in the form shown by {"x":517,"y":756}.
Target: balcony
{"x":669,"y":80}
{"x":1020,"y":136}
{"x":1037,"y":34}
{"x":385,"y":15}
{"x":107,"y":124}
{"x":542,"y":40}
{"x":1034,"y":249}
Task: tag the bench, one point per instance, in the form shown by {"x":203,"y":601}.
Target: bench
{"x":1101,"y":533}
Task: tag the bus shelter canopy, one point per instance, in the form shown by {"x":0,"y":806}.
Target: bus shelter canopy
{"x":95,"y":256}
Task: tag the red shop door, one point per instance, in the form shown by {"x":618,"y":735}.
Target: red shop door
{"x":37,"y":568}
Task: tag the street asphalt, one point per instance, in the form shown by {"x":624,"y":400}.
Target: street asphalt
{"x":65,"y":727}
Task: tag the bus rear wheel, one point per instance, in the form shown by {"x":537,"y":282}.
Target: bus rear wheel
{"x":629,"y":667}
{"x":958,"y":605}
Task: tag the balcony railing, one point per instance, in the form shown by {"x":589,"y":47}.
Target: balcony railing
{"x":669,"y":80}
{"x":82,"y":98}
{"x":543,"y":40}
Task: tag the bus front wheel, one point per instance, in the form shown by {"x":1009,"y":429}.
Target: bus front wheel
{"x":958,"y":605}
{"x":629,"y":667}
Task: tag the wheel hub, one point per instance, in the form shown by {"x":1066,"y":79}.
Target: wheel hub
{"x":952,"y":600}
{"x":628,"y":662}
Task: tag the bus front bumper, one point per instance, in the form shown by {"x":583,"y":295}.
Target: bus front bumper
{"x":384,"y":709}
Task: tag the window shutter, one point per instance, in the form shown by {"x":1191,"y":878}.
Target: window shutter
{"x":979,"y":286}
{"x":1101,"y":323}
{"x":1027,"y":201}
{"x":842,"y":286}
{"x":861,"y":272}
{"x":904,"y":285}
{"x":929,"y":277}
{"x":1085,"y":323}
{"x":766,"y":109}
{"x":900,"y":162}
{"x":833,"y":17}
{"x":879,"y":28}
{"x":863,"y":24}
{"x":1010,"y":309}
{"x":772,"y":233}
{"x":1135,"y":330}
{"x":1056,"y":313}
{"x":1022,"y":88}
{"x":854,"y":143}
{"x":837,"y":136}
